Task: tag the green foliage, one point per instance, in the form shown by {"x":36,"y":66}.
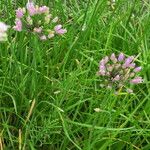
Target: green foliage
{"x":60,"y":75}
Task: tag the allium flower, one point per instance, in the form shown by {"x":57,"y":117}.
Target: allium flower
{"x":38,"y":20}
{"x":3,"y":30}
{"x":119,"y":72}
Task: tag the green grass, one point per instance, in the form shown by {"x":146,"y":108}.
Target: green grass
{"x":60,"y":75}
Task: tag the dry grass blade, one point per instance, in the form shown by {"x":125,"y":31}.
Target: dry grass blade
{"x":30,"y":111}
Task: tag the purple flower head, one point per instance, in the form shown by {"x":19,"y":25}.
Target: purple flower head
{"x":119,"y":72}
{"x":38,"y":20}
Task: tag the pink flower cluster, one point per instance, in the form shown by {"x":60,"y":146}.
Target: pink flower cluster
{"x":38,"y":20}
{"x":119,"y":72}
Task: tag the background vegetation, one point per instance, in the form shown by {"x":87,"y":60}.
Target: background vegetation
{"x":49,"y":89}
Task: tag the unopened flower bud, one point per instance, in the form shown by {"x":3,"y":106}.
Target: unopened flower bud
{"x":132,"y":65}
{"x":121,"y":57}
{"x":113,"y":58}
{"x":110,"y":67}
{"x":128,"y":61}
{"x":29,"y":20}
{"x":137,"y":80}
{"x":43,"y":38}
{"x":117,"y":78}
{"x":55,"y":20}
{"x":132,"y":74}
{"x":129,"y":91}
{"x":137,"y":69}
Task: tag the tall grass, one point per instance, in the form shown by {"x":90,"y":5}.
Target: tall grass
{"x":49,"y":89}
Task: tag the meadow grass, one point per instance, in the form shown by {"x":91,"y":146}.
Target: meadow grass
{"x":49,"y":89}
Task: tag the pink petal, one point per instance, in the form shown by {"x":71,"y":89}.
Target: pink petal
{"x":137,"y":69}
{"x":121,"y":57}
{"x":57,"y":27}
{"x":61,"y":31}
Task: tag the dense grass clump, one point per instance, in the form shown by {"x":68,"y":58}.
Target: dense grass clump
{"x":50,"y":94}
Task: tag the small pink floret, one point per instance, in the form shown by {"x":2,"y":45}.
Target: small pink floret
{"x":58,"y":29}
{"x":113,"y":58}
{"x":19,"y":13}
{"x":37,"y":30}
{"x":18,"y":25}
{"x":137,"y":69}
{"x":43,"y":9}
{"x":3,"y":27}
{"x":31,"y":8}
{"x":137,"y":80}
{"x":121,"y":57}
{"x":43,"y":38}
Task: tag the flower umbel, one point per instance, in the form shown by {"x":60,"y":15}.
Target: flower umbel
{"x":38,"y":20}
{"x":119,"y":72}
